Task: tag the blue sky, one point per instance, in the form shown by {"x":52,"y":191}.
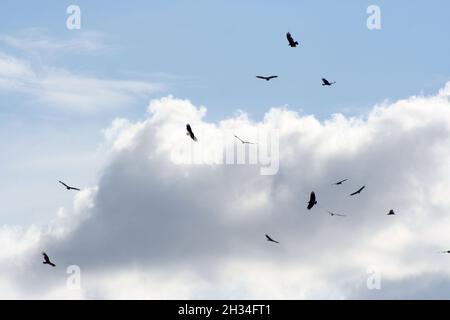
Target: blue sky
{"x":62,"y":91}
{"x":208,"y":52}
{"x":215,"y":48}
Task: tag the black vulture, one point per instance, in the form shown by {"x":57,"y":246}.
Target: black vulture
{"x":68,"y":187}
{"x":47,"y":260}
{"x":270,"y":239}
{"x":291,"y":40}
{"x":357,"y":192}
{"x":267,"y":78}
{"x":312,"y":201}
{"x":190,"y":133}
{"x":325,"y":82}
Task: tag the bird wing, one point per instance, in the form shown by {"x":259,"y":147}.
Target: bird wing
{"x":74,"y":188}
{"x":261,"y":77}
{"x":312,"y":198}
{"x":188,"y":128}
{"x":65,"y":185}
{"x":239,"y":139}
{"x":268,"y":238}
{"x":325,"y":81}
{"x":272,"y":77}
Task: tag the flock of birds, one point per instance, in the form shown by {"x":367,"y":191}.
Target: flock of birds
{"x":312,"y":199}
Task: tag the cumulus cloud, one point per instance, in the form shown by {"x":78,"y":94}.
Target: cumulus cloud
{"x":155,"y":228}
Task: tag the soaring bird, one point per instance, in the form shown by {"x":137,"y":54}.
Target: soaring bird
{"x":340,"y":182}
{"x":312,"y":201}
{"x":391,"y":213}
{"x":357,"y":192}
{"x":267,"y":78}
{"x":336,"y":214}
{"x":325,"y":82}
{"x":270,"y":239}
{"x":448,"y":251}
{"x":47,"y":260}
{"x":68,"y":187}
{"x":190,"y":133}
{"x":291,"y":40}
{"x":243,"y":142}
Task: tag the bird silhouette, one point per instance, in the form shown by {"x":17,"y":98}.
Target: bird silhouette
{"x":291,"y":40}
{"x":267,"y":78}
{"x":243,"y":142}
{"x":47,"y":260}
{"x":190,"y":133}
{"x":325,"y":82}
{"x":358,"y":192}
{"x":270,"y":239}
{"x":336,"y":214}
{"x":448,"y":251}
{"x":312,"y":201}
{"x":340,"y":182}
{"x":391,"y":213}
{"x":68,"y":187}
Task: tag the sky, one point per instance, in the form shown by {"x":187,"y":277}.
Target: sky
{"x":104,"y":108}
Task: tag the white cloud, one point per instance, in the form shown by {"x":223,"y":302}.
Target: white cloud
{"x":65,"y":90}
{"x":154,"y":229}
{"x":35,"y":41}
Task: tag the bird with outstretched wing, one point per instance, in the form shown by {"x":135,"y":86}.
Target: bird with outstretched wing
{"x":340,"y":182}
{"x":270,"y":239}
{"x":47,"y":260}
{"x":358,"y":192}
{"x":325,"y":82}
{"x":267,"y":78}
{"x":336,"y":214}
{"x":243,"y":142}
{"x":68,"y":187}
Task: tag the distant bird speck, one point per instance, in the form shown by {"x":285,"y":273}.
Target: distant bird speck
{"x":340,"y":182}
{"x":391,"y":213}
